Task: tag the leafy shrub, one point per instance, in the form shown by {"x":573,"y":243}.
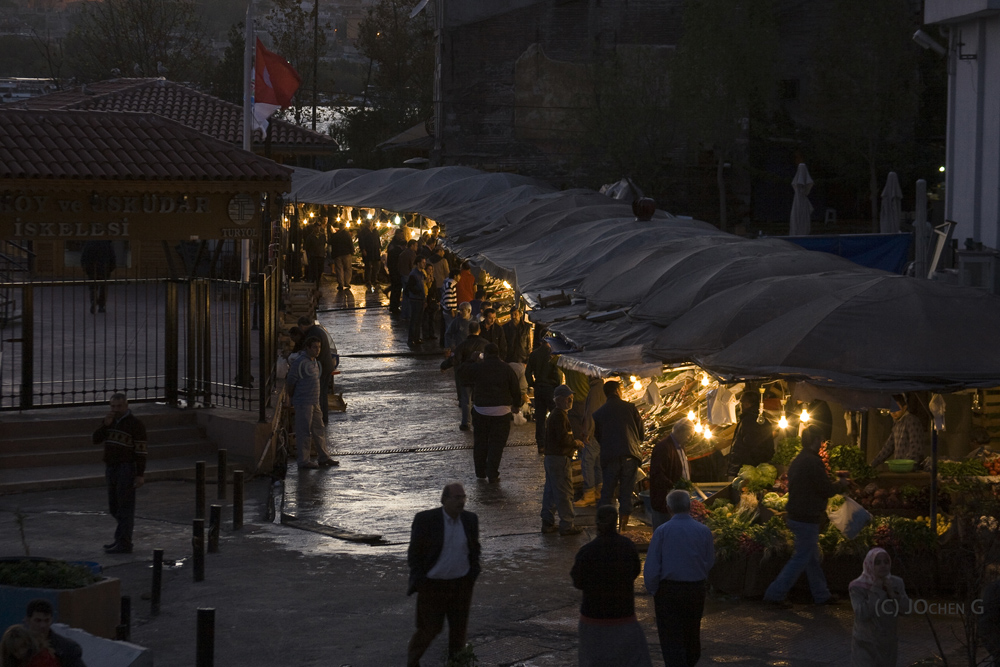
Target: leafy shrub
{"x":46,"y":574}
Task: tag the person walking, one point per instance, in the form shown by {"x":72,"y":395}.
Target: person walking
{"x":667,"y":465}
{"x":543,"y":377}
{"x":878,"y":597}
{"x":495,"y":396}
{"x":302,"y":390}
{"x":444,"y":562}
{"x":809,"y":489}
{"x":681,"y":553}
{"x":124,"y":438}
{"x":560,"y":446}
{"x":98,"y":262}
{"x":407,"y":259}
{"x":314,"y":245}
{"x":619,"y":431}
{"x":469,"y":350}
{"x":38,"y":621}
{"x":312,"y":329}
{"x":466,"y":284}
{"x":370,"y":246}
{"x":449,"y":305}
{"x":517,"y":336}
{"x":605,"y":570}
{"x":588,"y":396}
{"x":416,"y":296}
{"x":395,"y":248}
{"x":342,"y":252}
{"x":492,"y":331}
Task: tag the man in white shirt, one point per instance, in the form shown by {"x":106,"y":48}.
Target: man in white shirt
{"x":444,"y":563}
{"x":680,"y":555}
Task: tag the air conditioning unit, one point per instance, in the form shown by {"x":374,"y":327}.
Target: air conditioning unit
{"x":978,"y":268}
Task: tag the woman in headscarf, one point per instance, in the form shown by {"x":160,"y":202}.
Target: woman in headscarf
{"x":878,"y":597}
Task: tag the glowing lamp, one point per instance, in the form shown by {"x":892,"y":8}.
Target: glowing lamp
{"x":704,"y":380}
{"x":691,"y":415}
{"x":348,"y":225}
{"x":370,"y":215}
{"x":637,"y":385}
{"x":397,"y":220}
{"x":804,"y":417}
{"x":783,"y":422}
{"x":707,"y":433}
{"x":506,"y":285}
{"x":311,"y":214}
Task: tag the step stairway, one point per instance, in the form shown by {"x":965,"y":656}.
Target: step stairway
{"x":53,"y":448}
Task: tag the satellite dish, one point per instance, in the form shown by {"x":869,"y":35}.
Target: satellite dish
{"x":419,"y":8}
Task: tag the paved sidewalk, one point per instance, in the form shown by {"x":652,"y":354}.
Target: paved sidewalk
{"x":289,"y":597}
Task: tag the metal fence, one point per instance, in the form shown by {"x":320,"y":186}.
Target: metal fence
{"x":191,"y":340}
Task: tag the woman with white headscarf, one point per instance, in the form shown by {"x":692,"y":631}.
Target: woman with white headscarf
{"x":878,"y":597}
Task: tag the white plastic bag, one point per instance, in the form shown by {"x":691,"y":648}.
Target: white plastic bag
{"x":281,"y":368}
{"x":850,"y":518}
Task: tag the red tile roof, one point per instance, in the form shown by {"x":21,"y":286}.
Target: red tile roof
{"x":205,"y":113}
{"x":121,"y":146}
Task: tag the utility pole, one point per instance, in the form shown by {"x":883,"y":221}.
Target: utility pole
{"x":315,"y":58}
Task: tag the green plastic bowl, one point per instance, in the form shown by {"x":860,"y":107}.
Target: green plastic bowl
{"x":901,"y":465}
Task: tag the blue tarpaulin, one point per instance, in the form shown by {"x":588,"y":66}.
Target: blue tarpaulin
{"x":888,"y":252}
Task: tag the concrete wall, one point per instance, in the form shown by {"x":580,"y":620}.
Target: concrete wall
{"x":238,"y":432}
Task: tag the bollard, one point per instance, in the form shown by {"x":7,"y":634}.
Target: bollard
{"x":221,"y":473}
{"x":214,"y":522}
{"x":157,"y":581}
{"x":237,"y":499}
{"x":198,"y":546}
{"x":205,"y":647}
{"x":199,"y":490}
{"x":124,"y":630}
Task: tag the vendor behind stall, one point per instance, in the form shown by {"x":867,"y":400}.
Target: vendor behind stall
{"x":908,"y":439}
{"x":753,"y":442}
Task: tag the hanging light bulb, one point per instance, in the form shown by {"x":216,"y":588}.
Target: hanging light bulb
{"x":697,"y":428}
{"x":312,"y":214}
{"x":804,"y":417}
{"x":347,"y":224}
{"x":370,"y":215}
{"x":691,"y":416}
{"x":506,"y":285}
{"x":707,"y":433}
{"x":760,"y":414}
{"x":636,"y":384}
{"x":397,"y":221}
{"x":704,"y":380}
{"x":783,"y":422}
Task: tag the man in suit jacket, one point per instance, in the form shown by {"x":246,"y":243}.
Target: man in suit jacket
{"x":444,"y":563}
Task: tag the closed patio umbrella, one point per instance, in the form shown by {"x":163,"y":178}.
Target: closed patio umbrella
{"x":799,"y":221}
{"x":892,"y":202}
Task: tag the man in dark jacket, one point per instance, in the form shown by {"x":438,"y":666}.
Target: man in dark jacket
{"x":342,"y":252}
{"x":492,"y":331}
{"x":619,"y":430}
{"x":605,"y":570}
{"x":560,"y":446}
{"x":98,"y":262}
{"x":753,"y":442}
{"x":469,"y":350}
{"x":495,"y":396}
{"x":809,"y":488}
{"x":405,"y":263}
{"x":38,"y":620}
{"x":314,"y":244}
{"x":370,"y":246}
{"x":415,"y":291}
{"x":124,"y":440}
{"x":543,"y":376}
{"x":517,"y":336}
{"x":396,"y":247}
{"x":444,"y":562}
{"x":668,"y":464}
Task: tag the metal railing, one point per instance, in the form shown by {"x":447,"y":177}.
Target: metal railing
{"x":166,"y":340}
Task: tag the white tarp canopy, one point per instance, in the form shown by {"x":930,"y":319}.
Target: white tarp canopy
{"x":686,"y":292}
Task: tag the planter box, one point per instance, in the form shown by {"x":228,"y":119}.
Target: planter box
{"x":95,"y":608}
{"x":760,"y":573}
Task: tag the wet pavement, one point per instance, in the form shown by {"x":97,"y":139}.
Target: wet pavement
{"x":290,"y":597}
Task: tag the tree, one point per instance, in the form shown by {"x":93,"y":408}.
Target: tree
{"x":724,"y":77}
{"x":292,"y":30}
{"x":400,"y":79}
{"x":227,"y":77}
{"x":138,"y":38}
{"x":628,"y":127}
{"x":865,"y":102}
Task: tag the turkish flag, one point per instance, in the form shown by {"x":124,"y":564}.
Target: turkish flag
{"x":275,"y":82}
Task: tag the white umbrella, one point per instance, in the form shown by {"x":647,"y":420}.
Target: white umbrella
{"x":892,"y":201}
{"x":799,"y":223}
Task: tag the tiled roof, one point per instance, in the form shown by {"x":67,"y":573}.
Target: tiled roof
{"x":205,"y":113}
{"x":120,"y":146}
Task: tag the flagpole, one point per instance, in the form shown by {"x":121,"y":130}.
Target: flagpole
{"x":248,"y":50}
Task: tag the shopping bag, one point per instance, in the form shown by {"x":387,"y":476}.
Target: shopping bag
{"x":850,"y":518}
